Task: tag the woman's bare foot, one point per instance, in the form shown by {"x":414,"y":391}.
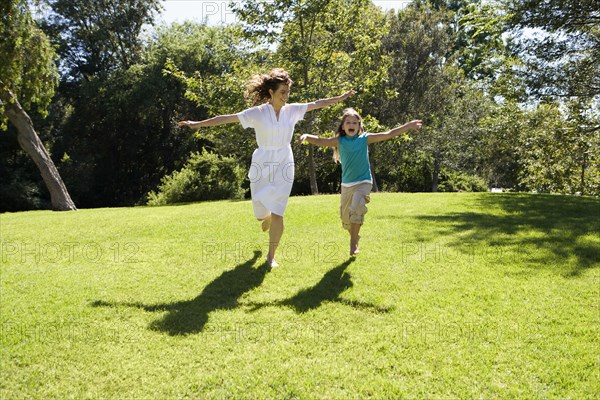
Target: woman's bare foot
{"x":266,"y":223}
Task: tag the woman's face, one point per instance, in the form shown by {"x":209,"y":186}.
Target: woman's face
{"x":351,"y":125}
{"x":281,"y":94}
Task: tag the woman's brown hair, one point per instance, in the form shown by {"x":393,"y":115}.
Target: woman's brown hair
{"x":257,"y":90}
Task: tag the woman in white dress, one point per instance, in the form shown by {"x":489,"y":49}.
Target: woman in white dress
{"x":271,"y":173}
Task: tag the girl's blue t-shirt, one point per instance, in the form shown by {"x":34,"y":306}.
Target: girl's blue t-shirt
{"x":354,"y":156}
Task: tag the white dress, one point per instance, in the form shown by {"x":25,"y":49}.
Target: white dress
{"x":271,"y":173}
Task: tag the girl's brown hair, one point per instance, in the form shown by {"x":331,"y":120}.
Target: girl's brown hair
{"x":348,"y":112}
{"x":257,"y":90}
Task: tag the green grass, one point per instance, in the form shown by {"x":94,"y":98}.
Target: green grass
{"x":453,"y":296}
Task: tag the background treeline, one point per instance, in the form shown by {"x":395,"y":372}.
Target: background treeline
{"x":508,"y":90}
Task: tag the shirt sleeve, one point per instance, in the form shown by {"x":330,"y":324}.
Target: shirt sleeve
{"x":248,"y":118}
{"x":297,"y":112}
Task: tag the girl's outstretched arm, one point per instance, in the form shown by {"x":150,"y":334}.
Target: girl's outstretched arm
{"x":315,"y":105}
{"x":214,"y":121}
{"x":325,"y":142}
{"x":380,"y":137}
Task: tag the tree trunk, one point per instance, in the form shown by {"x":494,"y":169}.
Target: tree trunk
{"x":436,"y":172}
{"x":312,"y":174}
{"x":583,"y":165}
{"x":372,"y":164}
{"x":33,"y":146}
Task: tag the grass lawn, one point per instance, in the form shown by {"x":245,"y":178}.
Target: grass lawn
{"x":452,"y":296}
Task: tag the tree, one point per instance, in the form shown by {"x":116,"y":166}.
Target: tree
{"x":115,"y":109}
{"x":503,"y":129}
{"x":29,"y":73}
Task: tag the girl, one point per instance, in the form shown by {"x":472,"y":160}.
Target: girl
{"x":351,"y":147}
{"x":272,"y":170}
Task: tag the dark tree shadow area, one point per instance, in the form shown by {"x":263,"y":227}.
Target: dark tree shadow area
{"x":554,"y":225}
{"x":190,"y":316}
{"x":328,"y":289}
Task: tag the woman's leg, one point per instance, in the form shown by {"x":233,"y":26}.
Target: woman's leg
{"x":266,"y":223}
{"x":274,"y":237}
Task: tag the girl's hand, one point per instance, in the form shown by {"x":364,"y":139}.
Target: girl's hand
{"x":303,"y":139}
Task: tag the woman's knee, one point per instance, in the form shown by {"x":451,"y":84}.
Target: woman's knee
{"x":276,"y":217}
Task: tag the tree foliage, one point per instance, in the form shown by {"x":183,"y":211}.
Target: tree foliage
{"x":27,"y":68}
{"x":98,"y":36}
{"x":561,"y":47}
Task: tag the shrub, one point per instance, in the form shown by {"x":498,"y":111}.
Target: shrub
{"x":206,"y":176}
{"x":451,"y":181}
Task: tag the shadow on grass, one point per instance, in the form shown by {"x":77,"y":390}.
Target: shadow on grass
{"x":547,"y":231}
{"x":328,"y":289}
{"x":190,"y":316}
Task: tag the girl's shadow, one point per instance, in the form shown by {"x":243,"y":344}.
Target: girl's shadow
{"x":328,"y":289}
{"x":190,"y":316}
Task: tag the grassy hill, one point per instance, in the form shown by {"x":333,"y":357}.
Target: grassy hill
{"x":452,"y":296}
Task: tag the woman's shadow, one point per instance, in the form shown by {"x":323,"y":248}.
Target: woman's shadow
{"x":329,"y":289}
{"x":190,"y":316}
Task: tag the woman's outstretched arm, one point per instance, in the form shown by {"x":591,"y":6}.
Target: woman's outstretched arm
{"x":325,"y":142}
{"x":214,"y":121}
{"x":315,"y":105}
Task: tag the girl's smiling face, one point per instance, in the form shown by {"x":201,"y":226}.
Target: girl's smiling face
{"x":351,"y":125}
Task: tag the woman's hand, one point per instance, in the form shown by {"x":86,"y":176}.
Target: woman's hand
{"x":185,"y":123}
{"x":348,"y":94}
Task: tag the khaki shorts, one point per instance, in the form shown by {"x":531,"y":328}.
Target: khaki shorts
{"x":353,"y":204}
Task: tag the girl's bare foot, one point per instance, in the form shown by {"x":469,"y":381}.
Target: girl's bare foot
{"x":354,"y":246}
{"x":266,"y":223}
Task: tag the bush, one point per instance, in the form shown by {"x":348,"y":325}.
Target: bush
{"x":206,"y":176}
{"x":451,"y":181}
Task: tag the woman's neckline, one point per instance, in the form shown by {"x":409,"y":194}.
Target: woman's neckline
{"x":275,"y":114}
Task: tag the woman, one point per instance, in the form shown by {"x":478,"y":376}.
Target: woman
{"x":272,"y":170}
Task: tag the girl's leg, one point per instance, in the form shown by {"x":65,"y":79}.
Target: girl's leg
{"x":358,"y":209}
{"x":354,"y":238}
{"x":274,"y":237}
